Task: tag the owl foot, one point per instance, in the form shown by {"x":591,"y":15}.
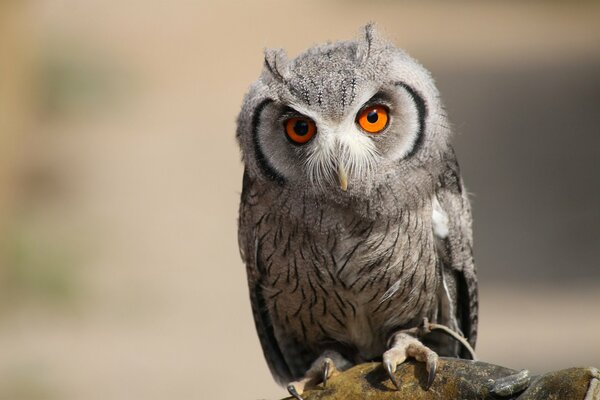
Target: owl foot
{"x":405,"y":345}
{"x":320,"y":371}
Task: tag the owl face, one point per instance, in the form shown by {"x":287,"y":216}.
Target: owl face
{"x":340,"y":119}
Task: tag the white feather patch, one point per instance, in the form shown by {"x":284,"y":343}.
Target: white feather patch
{"x":391,"y":291}
{"x":340,"y":145}
{"x":440,"y":219}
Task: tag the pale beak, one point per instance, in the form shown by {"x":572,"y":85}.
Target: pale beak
{"x":342,"y":177}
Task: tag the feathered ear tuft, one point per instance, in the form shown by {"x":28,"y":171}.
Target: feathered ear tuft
{"x":365,"y":44}
{"x":276,"y":62}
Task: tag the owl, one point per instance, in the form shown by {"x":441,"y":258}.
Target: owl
{"x":354,"y":223}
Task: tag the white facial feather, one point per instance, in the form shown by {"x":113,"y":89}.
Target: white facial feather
{"x":339,"y":144}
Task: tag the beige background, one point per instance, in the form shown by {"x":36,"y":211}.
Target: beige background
{"x":119,"y":182}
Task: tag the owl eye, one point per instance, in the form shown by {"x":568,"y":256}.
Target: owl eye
{"x":300,"y":129}
{"x":373,"y":119}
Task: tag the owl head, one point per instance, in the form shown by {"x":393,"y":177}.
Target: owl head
{"x":342,"y":119}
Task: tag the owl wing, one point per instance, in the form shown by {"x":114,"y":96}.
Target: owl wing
{"x":249,"y":245}
{"x":452,"y":228}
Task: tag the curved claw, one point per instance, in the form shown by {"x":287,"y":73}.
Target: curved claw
{"x":325,"y":374}
{"x":431,"y":370}
{"x":292,"y":390}
{"x":390,"y":369}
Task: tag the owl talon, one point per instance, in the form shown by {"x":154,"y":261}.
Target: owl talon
{"x":405,"y":345}
{"x":431,"y":370}
{"x":292,"y":391}
{"x":391,"y":373}
{"x":320,"y":371}
{"x":329,"y":369}
{"x":325,"y":373}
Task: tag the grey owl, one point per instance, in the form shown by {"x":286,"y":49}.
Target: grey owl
{"x":354,"y":223}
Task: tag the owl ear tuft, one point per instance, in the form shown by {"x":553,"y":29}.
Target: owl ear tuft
{"x":276,"y":62}
{"x":366,"y":42}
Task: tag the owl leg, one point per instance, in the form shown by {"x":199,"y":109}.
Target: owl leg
{"x":323,"y":368}
{"x":405,"y":344}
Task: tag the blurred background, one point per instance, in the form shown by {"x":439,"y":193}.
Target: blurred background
{"x":120,"y":276}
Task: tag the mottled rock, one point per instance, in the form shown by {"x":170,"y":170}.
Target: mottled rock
{"x":458,"y":379}
{"x":572,"y":383}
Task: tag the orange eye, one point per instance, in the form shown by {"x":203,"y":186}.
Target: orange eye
{"x":373,"y":119}
{"x":300,"y":129}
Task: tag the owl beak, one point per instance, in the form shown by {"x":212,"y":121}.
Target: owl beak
{"x":342,"y":177}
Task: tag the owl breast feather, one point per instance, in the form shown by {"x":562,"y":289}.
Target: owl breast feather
{"x":354,"y":283}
